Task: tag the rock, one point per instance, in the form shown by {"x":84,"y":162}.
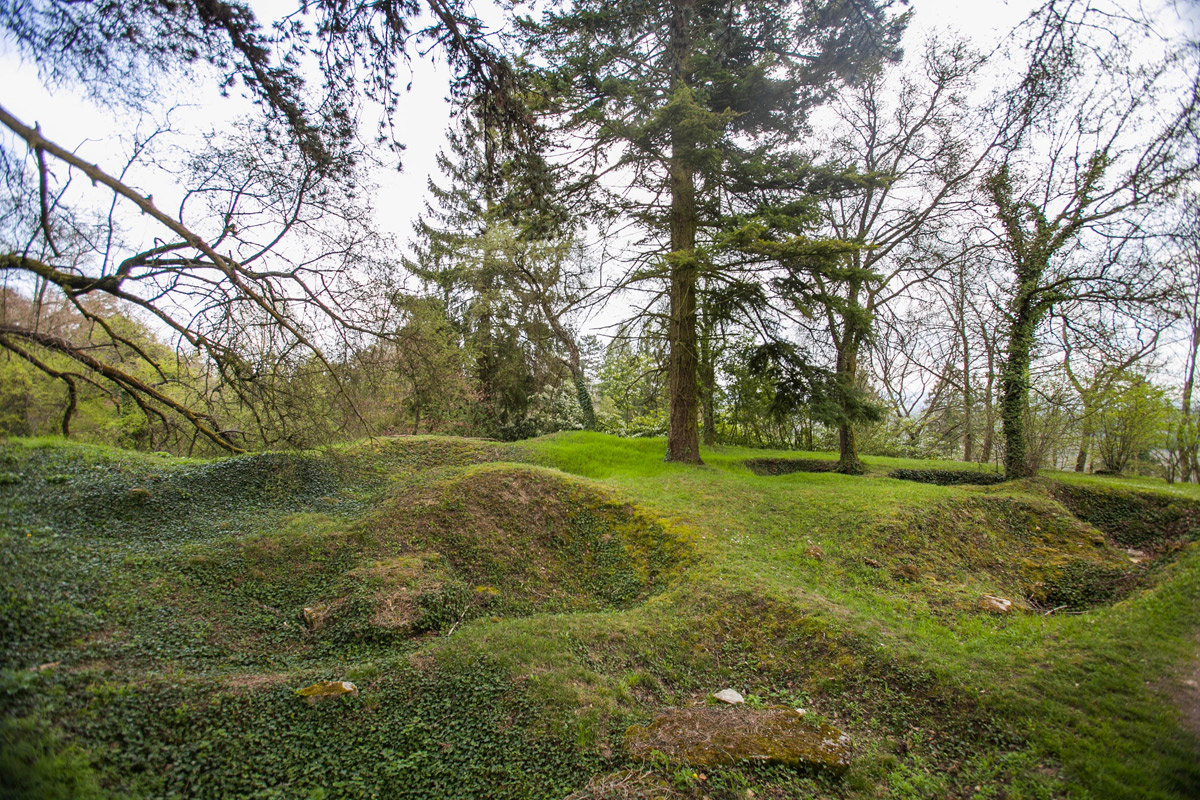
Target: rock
{"x":1136,"y":556}
{"x":729,"y":696}
{"x":713,"y":735}
{"x":311,"y":617}
{"x":322,"y":689}
{"x":996,"y":605}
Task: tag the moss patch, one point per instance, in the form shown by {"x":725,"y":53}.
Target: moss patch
{"x":1014,"y":546}
{"x":711,"y":736}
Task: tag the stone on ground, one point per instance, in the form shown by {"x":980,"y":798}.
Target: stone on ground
{"x":323,"y":689}
{"x":705,"y":736}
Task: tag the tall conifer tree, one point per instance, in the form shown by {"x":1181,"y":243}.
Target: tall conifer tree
{"x":684,"y":101}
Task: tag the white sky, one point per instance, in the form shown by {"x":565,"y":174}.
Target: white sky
{"x":73,"y":121}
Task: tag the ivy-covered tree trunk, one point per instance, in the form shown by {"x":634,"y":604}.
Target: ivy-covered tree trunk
{"x":1014,"y":375}
{"x":847,"y":373}
{"x":585,"y":400}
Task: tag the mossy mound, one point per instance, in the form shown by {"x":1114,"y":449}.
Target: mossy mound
{"x":786,"y":466}
{"x":1146,"y":520}
{"x":1015,"y":546}
{"x":514,"y":540}
{"x":98,"y":491}
{"x":493,"y":540}
{"x":711,"y":736}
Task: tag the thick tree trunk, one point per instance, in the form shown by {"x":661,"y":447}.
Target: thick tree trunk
{"x":585,"y":399}
{"x":683,"y":436}
{"x":1014,"y":382}
{"x":683,"y":432}
{"x":849,"y":462}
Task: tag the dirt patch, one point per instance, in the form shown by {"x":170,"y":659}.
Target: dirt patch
{"x":712,"y":735}
{"x":786,"y":466}
{"x":627,"y":785}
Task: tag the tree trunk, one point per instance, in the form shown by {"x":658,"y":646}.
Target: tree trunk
{"x":1014,"y":379}
{"x":683,"y":433}
{"x":708,"y":380}
{"x":989,"y":410}
{"x":849,"y":462}
{"x":965,"y":342}
{"x":846,"y":373}
{"x":1085,"y":441}
{"x":1189,"y":469}
{"x":574,"y":363}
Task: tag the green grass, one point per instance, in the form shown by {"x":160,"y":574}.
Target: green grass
{"x":507,"y":611}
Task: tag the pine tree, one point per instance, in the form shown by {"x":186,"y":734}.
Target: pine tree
{"x":687,"y":99}
{"x":495,"y":247}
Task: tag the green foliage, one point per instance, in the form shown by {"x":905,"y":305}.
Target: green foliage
{"x":786,"y":466}
{"x":36,"y":764}
{"x":1079,"y":584}
{"x":1134,"y":417}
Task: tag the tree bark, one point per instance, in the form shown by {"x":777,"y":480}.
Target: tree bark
{"x":683,"y":433}
{"x":965,"y":342}
{"x":708,"y":380}
{"x":1189,"y":469}
{"x":845,"y":375}
{"x":1085,"y":441}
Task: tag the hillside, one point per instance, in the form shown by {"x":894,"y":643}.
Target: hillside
{"x":506,"y":613}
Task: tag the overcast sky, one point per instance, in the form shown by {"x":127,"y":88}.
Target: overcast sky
{"x":73,"y":121}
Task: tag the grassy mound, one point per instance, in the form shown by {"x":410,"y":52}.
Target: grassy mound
{"x":496,"y":541}
{"x":505,"y":625}
{"x":1020,"y":546}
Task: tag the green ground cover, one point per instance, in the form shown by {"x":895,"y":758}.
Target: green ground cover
{"x":507,"y":612}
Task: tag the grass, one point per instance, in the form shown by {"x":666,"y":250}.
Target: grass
{"x":508,"y":611}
